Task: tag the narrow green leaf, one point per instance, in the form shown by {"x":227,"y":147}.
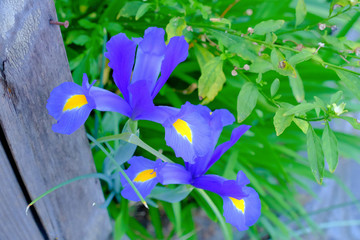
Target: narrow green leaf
{"x":226,"y":232}
{"x":156,"y":222}
{"x":330,"y":147}
{"x":211,"y":80}
{"x":301,"y":108}
{"x":122,"y":220}
{"x":142,"y":10}
{"x":315,"y":155}
{"x":297,"y":87}
{"x":300,"y":12}
{"x":175,"y":27}
{"x":274,"y":87}
{"x":351,"y":81}
{"x":281,"y":122}
{"x":302,"y":124}
{"x":336,"y":97}
{"x":91,"y":175}
{"x":353,"y":121}
{"x":268,"y":26}
{"x":246,"y":101}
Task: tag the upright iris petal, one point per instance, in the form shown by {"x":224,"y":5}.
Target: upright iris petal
{"x":121,"y":53}
{"x":149,"y":56}
{"x":176,"y":52}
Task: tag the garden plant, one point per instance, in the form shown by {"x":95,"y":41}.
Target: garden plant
{"x":175,"y":84}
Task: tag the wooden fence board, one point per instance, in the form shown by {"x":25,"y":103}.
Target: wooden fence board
{"x":32,"y":62}
{"x":14,"y":223}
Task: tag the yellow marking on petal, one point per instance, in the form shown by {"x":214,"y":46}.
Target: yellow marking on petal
{"x":145,"y":175}
{"x":75,"y":101}
{"x":239,"y":204}
{"x":183,"y":129}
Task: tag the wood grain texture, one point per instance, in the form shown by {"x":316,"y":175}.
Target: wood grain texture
{"x":32,"y":62}
{"x":14,"y":224}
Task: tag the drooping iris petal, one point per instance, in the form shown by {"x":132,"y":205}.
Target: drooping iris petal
{"x":70,"y":104}
{"x":220,"y":186}
{"x":222,"y":148}
{"x":242,"y":213}
{"x":108,"y":101}
{"x":149,"y":56}
{"x":176,"y":52}
{"x":173,"y":173}
{"x":121,"y":53}
{"x":144,"y":174}
{"x":188,"y":132}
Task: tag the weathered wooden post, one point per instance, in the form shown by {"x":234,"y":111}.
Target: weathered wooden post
{"x":32,"y":157}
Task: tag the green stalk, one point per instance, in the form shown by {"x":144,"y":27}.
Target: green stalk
{"x":118,"y":168}
{"x":132,"y":138}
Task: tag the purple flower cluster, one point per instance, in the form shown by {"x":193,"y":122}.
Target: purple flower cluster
{"x":192,"y":131}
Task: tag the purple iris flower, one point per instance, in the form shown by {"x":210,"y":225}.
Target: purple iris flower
{"x":139,"y":83}
{"x":241,"y":203}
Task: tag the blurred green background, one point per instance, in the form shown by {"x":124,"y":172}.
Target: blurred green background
{"x":260,"y":60}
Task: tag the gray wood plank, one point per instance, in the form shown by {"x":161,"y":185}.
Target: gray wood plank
{"x":14,"y":224}
{"x":33,"y":61}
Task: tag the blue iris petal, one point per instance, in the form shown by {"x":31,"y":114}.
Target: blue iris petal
{"x":138,"y":165}
{"x":222,"y":148}
{"x":69,"y":120}
{"x":149,"y":56}
{"x":176,"y":52}
{"x":173,"y":173}
{"x":197,"y":142}
{"x":121,"y":53}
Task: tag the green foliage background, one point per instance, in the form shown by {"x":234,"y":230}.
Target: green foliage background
{"x":258,"y":59}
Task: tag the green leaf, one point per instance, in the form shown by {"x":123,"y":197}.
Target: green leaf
{"x":301,"y":108}
{"x":274,"y":87}
{"x":315,"y":155}
{"x":175,"y":27}
{"x":302,"y":124}
{"x":300,"y":12}
{"x":336,"y":97}
{"x":280,"y":65}
{"x":268,"y":26}
{"x":130,"y":9}
{"x":142,"y":10}
{"x":271,"y":38}
{"x":281,"y":122}
{"x":351,"y":81}
{"x":211,"y":80}
{"x":300,"y":57}
{"x":202,"y":55}
{"x":353,"y":121}
{"x":246,"y":101}
{"x":342,"y":3}
{"x":330,"y":147}
{"x":171,"y":195}
{"x":297,"y":87}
